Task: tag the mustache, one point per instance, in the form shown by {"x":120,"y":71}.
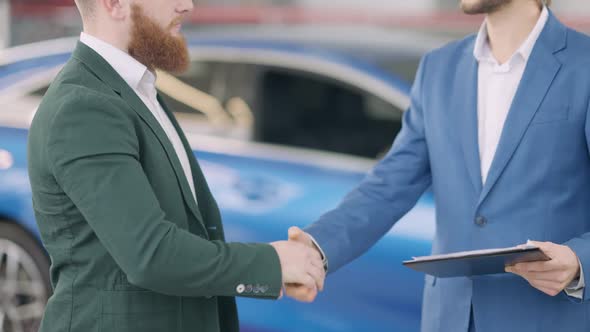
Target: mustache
{"x":175,"y":22}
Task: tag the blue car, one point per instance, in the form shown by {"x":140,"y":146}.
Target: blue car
{"x":284,"y":121}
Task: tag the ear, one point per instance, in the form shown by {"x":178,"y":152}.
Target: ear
{"x":117,"y":9}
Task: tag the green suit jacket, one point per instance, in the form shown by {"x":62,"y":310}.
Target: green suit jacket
{"x":130,"y":248}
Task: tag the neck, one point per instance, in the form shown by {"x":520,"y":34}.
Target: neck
{"x":108,"y":35}
{"x":510,"y":26}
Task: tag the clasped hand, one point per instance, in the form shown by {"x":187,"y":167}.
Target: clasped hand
{"x":302,"y":266}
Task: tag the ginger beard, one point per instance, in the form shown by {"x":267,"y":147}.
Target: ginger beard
{"x":156,"y":47}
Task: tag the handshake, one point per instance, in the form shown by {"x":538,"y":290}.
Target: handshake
{"x":302,"y":266}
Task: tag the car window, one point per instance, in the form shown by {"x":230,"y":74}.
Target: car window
{"x":202,"y":76}
{"x":212,"y":98}
{"x":399,"y":63}
{"x":311,"y":111}
{"x":282,"y":106}
{"x":403,"y":67}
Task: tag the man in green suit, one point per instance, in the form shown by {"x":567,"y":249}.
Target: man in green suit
{"x":134,"y":234}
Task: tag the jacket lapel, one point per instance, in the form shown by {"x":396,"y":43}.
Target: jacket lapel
{"x":465,"y":106}
{"x":137,"y":104}
{"x":208,"y":206}
{"x":542,"y":67}
{"x":107,"y":74}
{"x":206,"y":200}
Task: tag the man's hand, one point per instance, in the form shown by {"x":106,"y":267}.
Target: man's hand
{"x":553,"y":276}
{"x":298,"y":291}
{"x":301,"y":266}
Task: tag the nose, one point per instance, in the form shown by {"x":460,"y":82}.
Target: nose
{"x":185,"y":6}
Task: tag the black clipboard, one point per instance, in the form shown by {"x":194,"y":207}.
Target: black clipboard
{"x":476,"y":262}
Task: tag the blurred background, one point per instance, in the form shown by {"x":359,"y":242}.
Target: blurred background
{"x":287,"y":104}
{"x":24,"y":21}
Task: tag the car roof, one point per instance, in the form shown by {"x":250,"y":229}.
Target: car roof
{"x":350,"y":50}
{"x":345,"y":38}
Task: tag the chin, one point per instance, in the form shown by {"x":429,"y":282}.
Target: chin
{"x":469,"y":5}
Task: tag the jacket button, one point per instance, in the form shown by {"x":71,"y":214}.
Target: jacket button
{"x":240,"y":289}
{"x":481,"y":221}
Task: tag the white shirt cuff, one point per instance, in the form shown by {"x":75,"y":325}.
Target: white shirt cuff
{"x":324,"y":258}
{"x":576,"y":287}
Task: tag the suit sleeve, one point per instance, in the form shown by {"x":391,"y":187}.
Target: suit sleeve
{"x":94,"y":155}
{"x":581,"y":245}
{"x":387,"y":193}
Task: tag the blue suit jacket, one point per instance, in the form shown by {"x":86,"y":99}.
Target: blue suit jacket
{"x":538,"y":186}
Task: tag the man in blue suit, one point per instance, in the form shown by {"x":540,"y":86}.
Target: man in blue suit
{"x":499,"y":128}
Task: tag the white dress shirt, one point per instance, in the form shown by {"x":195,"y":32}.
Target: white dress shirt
{"x":497,"y":85}
{"x":143,"y":83}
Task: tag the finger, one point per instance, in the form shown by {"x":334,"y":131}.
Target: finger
{"x":317,"y":263}
{"x":318,"y":275}
{"x":313,"y":254}
{"x":296,"y":234}
{"x":302,"y":278}
{"x":540,"y":244}
{"x":548,"y":291}
{"x":309,"y":281}
{"x":546,"y":247}
{"x":520,"y":273}
{"x":512,"y":270}
{"x":300,"y":293}
{"x":534,"y":278}
{"x":546,"y":284}
{"x":558,"y":276}
{"x":540,"y":266}
{"x":547,"y":287}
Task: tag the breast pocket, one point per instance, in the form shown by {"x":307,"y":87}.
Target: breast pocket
{"x":551,"y":113}
{"x":144,"y":311}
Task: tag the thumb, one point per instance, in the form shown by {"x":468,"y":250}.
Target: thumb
{"x":536,"y":243}
{"x":296,"y":234}
{"x":544,"y":246}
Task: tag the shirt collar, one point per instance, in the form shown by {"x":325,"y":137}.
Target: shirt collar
{"x":131,"y":70}
{"x":482,"y":50}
